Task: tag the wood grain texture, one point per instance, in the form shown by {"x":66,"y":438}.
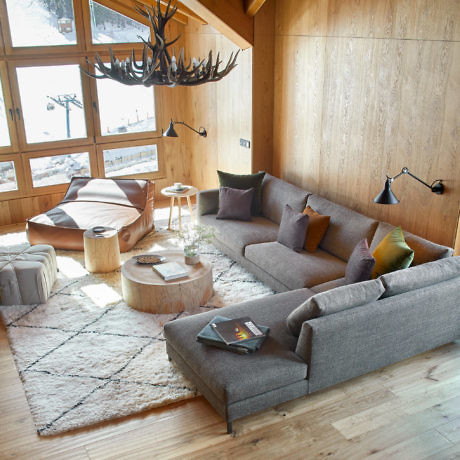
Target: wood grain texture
{"x":102,"y":251}
{"x":351,"y":107}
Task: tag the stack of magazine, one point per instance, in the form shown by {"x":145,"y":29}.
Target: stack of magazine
{"x":240,"y":335}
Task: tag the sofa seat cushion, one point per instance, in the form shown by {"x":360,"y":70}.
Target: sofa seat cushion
{"x":424,"y":250}
{"x":123,"y":204}
{"x":277,"y":193}
{"x":238,"y":234}
{"x":346,"y":227}
{"x":295,"y":269}
{"x":233,"y":377}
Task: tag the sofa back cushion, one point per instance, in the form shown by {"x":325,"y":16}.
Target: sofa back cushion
{"x":126,"y":192}
{"x":420,"y":276}
{"x":333,"y":301}
{"x":276,"y":193}
{"x":424,"y":250}
{"x":346,"y":227}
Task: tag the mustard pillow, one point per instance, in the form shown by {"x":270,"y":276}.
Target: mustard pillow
{"x":392,"y":253}
{"x":317,"y":226}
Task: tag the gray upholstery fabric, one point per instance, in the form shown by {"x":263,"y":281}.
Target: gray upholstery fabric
{"x":27,"y":274}
{"x":293,"y":228}
{"x":235,"y":203}
{"x":238,"y":234}
{"x":346,"y":228}
{"x":328,"y":285}
{"x":261,"y":274}
{"x":293,"y":269}
{"x":360,"y":264}
{"x":424,"y":250}
{"x":207,"y":201}
{"x":271,"y":367}
{"x":360,"y":340}
{"x":420,"y":276}
{"x":333,"y":301}
{"x":276,"y":193}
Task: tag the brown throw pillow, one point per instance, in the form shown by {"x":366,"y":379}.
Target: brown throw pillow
{"x":317,"y":226}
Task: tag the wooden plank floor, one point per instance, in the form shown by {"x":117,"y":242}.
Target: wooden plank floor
{"x":410,"y":410}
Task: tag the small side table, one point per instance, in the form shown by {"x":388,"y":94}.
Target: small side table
{"x":102,"y":251}
{"x":191,"y":190}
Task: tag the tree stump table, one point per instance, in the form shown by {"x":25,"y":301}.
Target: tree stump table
{"x":145,"y":290}
{"x":102,"y":251}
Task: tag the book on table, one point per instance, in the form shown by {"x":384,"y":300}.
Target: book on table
{"x":209,"y":336}
{"x":170,"y":271}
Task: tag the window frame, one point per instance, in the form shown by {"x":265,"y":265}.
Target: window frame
{"x":56,"y":188}
{"x":160,"y":174}
{"x":9,"y":106}
{"x":20,"y":177}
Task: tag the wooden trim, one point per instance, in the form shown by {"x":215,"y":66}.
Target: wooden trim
{"x":227,"y":18}
{"x":180,"y":15}
{"x":50,"y":189}
{"x":20,"y":179}
{"x":9,"y":106}
{"x":23,"y":145}
{"x":161,"y":173}
{"x":253,"y":6}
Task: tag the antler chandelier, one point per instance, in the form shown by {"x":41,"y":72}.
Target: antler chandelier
{"x":158,"y":67}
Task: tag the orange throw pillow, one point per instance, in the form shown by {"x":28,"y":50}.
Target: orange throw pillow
{"x":317,"y":226}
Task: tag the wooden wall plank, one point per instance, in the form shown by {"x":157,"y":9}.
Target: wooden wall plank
{"x":382,"y":104}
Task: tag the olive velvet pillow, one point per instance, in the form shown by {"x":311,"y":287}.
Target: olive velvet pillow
{"x":235,"y":203}
{"x":392,"y":253}
{"x":293,"y":227}
{"x":317,"y":226}
{"x":245,"y":182}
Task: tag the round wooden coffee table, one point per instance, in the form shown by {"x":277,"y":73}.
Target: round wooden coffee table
{"x":145,"y":290}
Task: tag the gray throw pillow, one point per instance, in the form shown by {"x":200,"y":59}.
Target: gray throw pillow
{"x":293,"y":228}
{"x":245,"y":182}
{"x":360,"y":264}
{"x":235,"y":203}
{"x":333,"y":301}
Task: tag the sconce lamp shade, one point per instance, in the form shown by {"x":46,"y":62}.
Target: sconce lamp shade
{"x":386,"y":196}
{"x":170,"y":132}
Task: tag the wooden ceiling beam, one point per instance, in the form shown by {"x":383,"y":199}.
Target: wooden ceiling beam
{"x":184,"y":10}
{"x":226,"y":16}
{"x":179,"y":16}
{"x":253,"y":6}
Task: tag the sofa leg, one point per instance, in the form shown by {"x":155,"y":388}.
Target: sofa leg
{"x":230,"y":427}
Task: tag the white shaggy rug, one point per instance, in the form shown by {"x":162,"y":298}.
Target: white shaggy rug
{"x":85,"y":356}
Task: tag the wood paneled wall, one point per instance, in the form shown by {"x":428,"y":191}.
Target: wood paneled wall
{"x":363,"y":89}
{"x":224,"y":108}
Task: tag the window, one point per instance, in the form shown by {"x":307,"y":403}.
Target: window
{"x":53,"y":109}
{"x":130,"y":160}
{"x":58,"y":169}
{"x":125,"y":109}
{"x":41,"y":22}
{"x":108,"y":26}
{"x":4,"y":132}
{"x":8,"y":181}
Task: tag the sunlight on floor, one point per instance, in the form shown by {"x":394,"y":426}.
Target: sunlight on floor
{"x":101,"y":294}
{"x":70,"y":268}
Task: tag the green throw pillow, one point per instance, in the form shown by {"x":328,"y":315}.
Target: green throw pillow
{"x":245,"y":182}
{"x":392,"y":253}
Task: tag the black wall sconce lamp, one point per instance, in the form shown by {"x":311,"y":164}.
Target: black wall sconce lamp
{"x":386,"y":196}
{"x":171,"y":132}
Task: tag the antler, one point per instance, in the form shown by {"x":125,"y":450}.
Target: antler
{"x":158,"y":67}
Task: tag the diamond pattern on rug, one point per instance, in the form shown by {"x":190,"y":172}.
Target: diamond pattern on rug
{"x":86,"y":356}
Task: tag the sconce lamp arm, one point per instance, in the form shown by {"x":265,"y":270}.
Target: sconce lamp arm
{"x":436,"y":187}
{"x":201,"y":131}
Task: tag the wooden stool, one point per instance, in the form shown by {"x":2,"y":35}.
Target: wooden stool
{"x":102,"y":252}
{"x":187,"y":193}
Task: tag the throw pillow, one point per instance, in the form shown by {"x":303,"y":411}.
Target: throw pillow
{"x":293,"y":227}
{"x":392,"y":253}
{"x":235,"y":203}
{"x":333,"y":301}
{"x":360,"y":264}
{"x":245,"y":182}
{"x":317,"y":226}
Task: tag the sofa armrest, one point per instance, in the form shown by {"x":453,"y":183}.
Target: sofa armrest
{"x":353,"y":342}
{"x":207,"y":201}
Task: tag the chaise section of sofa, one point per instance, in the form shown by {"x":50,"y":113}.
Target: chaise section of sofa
{"x":123,"y":204}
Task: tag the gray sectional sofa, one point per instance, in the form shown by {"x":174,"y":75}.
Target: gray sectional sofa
{"x":356,"y":328}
